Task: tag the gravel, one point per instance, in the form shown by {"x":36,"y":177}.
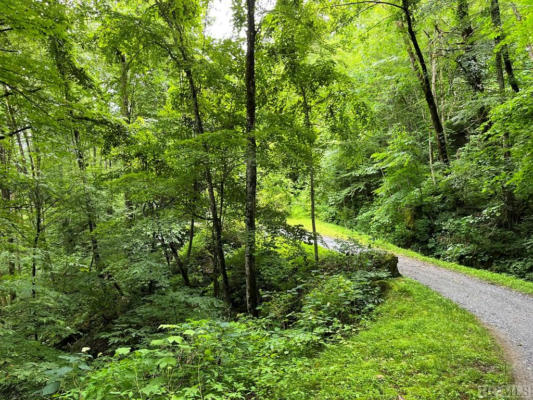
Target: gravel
{"x":508,"y":314}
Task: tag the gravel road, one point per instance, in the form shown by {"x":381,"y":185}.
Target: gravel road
{"x":508,"y":314}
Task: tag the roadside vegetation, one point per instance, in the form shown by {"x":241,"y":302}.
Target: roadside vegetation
{"x":340,"y":232}
{"x":409,"y":351}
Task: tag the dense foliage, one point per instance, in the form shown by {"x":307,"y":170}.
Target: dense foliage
{"x":147,"y":168}
{"x":384,"y":175}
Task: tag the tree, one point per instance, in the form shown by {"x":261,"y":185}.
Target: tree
{"x":251,"y":161}
{"x":502,"y":52}
{"x":178,"y":53}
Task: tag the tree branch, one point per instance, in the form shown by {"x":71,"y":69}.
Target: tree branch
{"x":9,"y":134}
{"x":370,"y":2}
{"x":15,"y":91}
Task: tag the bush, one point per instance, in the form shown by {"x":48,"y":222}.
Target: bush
{"x":357,"y":259}
{"x":202,"y":359}
{"x":172,"y":306}
{"x":248,"y":358}
{"x":23,"y":364}
{"x":338,"y":302}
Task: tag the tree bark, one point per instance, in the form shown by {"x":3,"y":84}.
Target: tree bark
{"x":313,"y":219}
{"x":502,"y":51}
{"x":7,"y":196}
{"x":185,"y":65}
{"x":309,"y":126}
{"x":217,"y":229}
{"x":251,"y":163}
{"x":38,"y":212}
{"x":191,"y":238}
{"x":6,"y":150}
{"x":507,"y":194}
{"x":179,"y":262}
{"x":426,"y":86}
{"x":210,"y":189}
{"x":125,"y":109}
{"x":91,"y":220}
{"x":126,"y":112}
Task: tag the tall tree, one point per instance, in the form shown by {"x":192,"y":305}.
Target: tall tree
{"x":502,"y":51}
{"x":69,"y":72}
{"x":406,"y":9}
{"x":251,"y":162}
{"x":179,"y":18}
{"x":426,"y":84}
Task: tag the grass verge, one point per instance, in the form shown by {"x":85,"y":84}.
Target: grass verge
{"x":336,"y":231}
{"x":420,"y":346}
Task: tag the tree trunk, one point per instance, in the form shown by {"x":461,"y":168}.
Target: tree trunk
{"x":125,"y":109}
{"x":195,"y":191}
{"x":6,"y":150}
{"x":91,"y":220}
{"x":179,"y":262}
{"x":126,"y":112}
{"x":6,"y":196}
{"x":502,"y":51}
{"x":308,"y":125}
{"x":217,"y":230}
{"x":251,"y":163}
{"x":216,"y":272}
{"x":185,"y":65}
{"x":313,"y":219}
{"x":12,"y":123}
{"x":191,"y":238}
{"x":430,"y":152}
{"x":38,"y":208}
{"x":507,"y":194}
{"x":426,"y":87}
{"x":468,"y":61}
{"x":210,"y":189}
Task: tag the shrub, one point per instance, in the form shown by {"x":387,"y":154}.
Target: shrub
{"x":338,"y":302}
{"x":202,"y":359}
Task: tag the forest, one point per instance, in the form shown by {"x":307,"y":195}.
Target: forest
{"x":155,"y":172}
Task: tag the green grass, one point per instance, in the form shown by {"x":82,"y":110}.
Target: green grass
{"x":420,"y":346}
{"x":336,"y":231}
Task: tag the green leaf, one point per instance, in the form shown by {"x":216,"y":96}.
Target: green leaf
{"x":121,"y":351}
{"x":167,"y":362}
{"x":51,"y":388}
{"x":175,"y":339}
{"x":62,"y":371}
{"x":84,"y":367}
